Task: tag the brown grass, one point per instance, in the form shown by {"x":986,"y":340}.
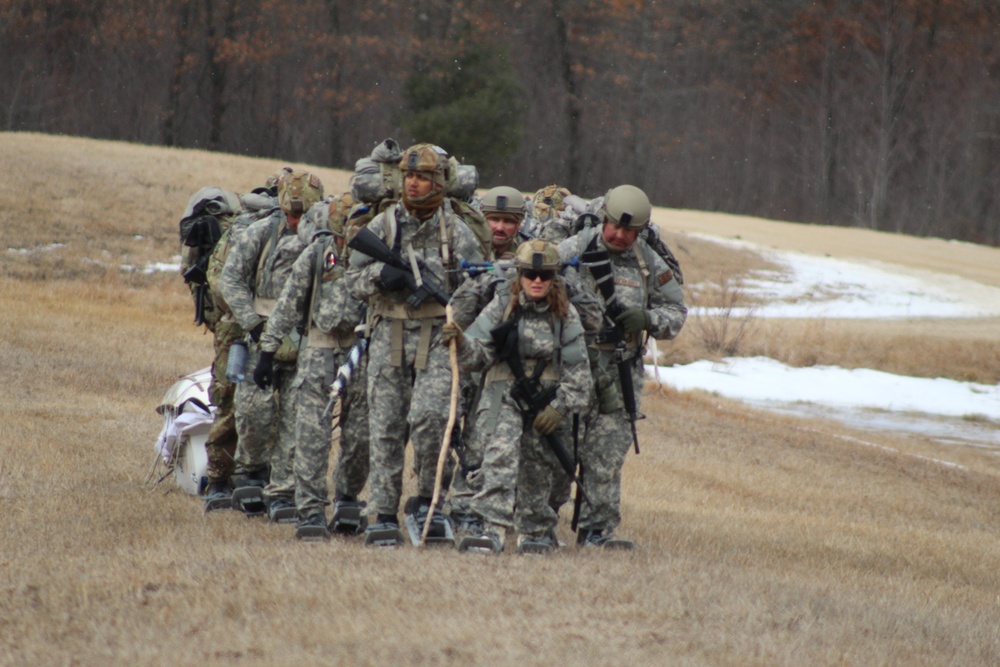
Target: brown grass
{"x":763,"y":540}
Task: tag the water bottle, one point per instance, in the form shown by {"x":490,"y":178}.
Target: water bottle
{"x":237,"y":366}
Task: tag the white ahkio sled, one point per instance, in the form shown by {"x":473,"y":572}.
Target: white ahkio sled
{"x":187,"y":419}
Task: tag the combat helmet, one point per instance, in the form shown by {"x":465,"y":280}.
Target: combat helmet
{"x":429,"y":159}
{"x":537,"y":254}
{"x":298,"y":191}
{"x":547,"y":202}
{"x":627,"y":206}
{"x":339,"y":208}
{"x":503,"y":200}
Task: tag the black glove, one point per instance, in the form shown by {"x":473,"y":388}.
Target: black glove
{"x":263,"y":374}
{"x":634,"y":320}
{"x":393,"y":278}
{"x":257,"y":331}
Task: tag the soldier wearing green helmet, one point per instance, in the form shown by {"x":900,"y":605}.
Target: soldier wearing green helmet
{"x":640,"y":297}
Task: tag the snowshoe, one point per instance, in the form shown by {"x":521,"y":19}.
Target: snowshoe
{"x":217,"y":497}
{"x":465,"y":523}
{"x":483,"y":542}
{"x":312,"y":529}
{"x":249,"y":500}
{"x":535,"y":544}
{"x":348,"y":518}
{"x":280,"y":510}
{"x":440,"y":533}
{"x":597,"y":538}
{"x":384,"y":534}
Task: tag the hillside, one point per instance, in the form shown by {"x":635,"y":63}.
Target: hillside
{"x":762,"y":539}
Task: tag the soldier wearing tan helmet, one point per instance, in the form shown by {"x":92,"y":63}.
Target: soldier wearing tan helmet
{"x":316,"y":294}
{"x":409,"y":374}
{"x":513,"y":436}
{"x":504,"y":208}
{"x":641,"y":297}
{"x":252,"y":279}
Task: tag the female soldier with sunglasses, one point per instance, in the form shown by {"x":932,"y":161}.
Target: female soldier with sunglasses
{"x":549,"y":346}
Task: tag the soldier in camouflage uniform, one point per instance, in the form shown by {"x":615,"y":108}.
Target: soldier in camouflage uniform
{"x":255,"y":272}
{"x":652,"y":304}
{"x":317,"y":292}
{"x":409,"y":377}
{"x":516,"y":456}
{"x":206,"y":221}
{"x":503,"y":207}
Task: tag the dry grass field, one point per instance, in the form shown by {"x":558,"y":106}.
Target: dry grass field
{"x":763,"y":540}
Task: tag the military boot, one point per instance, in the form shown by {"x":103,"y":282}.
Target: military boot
{"x":217,"y":496}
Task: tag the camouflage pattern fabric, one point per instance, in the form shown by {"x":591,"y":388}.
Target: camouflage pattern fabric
{"x":265,"y":418}
{"x":313,"y":439}
{"x":607,"y":431}
{"x":406,"y":394}
{"x":512,"y":443}
{"x":334,"y":311}
{"x":467,"y":302}
{"x":221,"y":444}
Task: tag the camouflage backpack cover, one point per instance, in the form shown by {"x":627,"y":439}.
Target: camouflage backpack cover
{"x":378,"y":176}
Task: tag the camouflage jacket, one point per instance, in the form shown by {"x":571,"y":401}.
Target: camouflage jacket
{"x":642,"y":280}
{"x":257,"y":267}
{"x":559,"y":342}
{"x":397,"y":226}
{"x":324,"y":294}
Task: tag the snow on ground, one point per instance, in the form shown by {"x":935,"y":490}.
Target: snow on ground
{"x":813,"y":286}
{"x":951,"y":412}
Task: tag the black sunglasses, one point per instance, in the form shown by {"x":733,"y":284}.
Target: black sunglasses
{"x":532,"y":274}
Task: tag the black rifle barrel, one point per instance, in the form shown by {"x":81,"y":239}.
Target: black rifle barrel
{"x":369,"y":243}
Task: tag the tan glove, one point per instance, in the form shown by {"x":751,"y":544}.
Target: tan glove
{"x":451,"y":332}
{"x":548,"y":420}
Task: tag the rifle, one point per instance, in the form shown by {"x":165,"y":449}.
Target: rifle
{"x":420,"y":286}
{"x":599,"y":262}
{"x":346,"y":371}
{"x":529,"y":395}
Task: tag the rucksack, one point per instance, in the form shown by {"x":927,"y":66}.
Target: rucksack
{"x":378,"y":177}
{"x":217,"y":260}
{"x":209,"y":212}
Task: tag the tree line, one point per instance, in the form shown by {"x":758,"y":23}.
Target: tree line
{"x":880,"y":113}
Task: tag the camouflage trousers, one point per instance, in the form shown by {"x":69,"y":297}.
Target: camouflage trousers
{"x":317,"y":369}
{"x":405,"y":401}
{"x":518,"y":475}
{"x":221,"y":444}
{"x":470,"y":452}
{"x":265,"y":427}
{"x":606,"y":442}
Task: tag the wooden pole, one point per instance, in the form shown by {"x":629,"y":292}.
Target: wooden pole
{"x":446,"y":441}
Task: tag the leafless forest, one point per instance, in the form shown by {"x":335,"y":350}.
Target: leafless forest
{"x":883,"y":114}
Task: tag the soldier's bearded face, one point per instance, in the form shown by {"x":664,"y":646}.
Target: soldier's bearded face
{"x":503,"y":229}
{"x":417,"y":184}
{"x":618,"y":239}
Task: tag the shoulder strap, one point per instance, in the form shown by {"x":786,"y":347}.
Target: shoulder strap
{"x":264,"y":256}
{"x":318,"y":266}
